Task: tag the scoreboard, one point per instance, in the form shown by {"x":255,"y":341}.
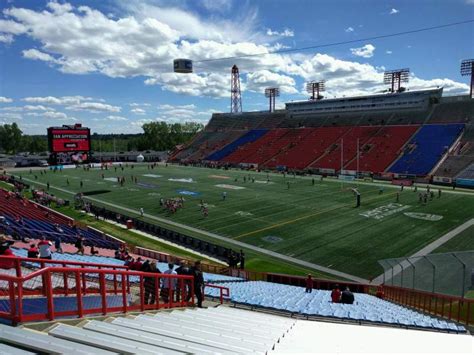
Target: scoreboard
{"x":69,"y":140}
{"x":69,"y":144}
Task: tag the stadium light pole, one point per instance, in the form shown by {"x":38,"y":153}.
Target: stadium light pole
{"x":272,"y":93}
{"x":467,"y":69}
{"x":314,"y":88}
{"x":396,"y":77}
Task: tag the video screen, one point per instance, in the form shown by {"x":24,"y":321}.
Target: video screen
{"x":69,"y":140}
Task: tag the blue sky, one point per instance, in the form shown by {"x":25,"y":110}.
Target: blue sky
{"x":108,"y":64}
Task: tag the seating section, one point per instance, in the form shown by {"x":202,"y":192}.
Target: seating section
{"x":453,"y":112}
{"x":426,"y":148}
{"x":245,"y":152}
{"x":38,"y":221}
{"x":318,"y":303}
{"x":219,"y":330}
{"x":249,"y":137}
{"x":461,"y":155}
{"x":95,"y":259}
{"x":348,"y":142}
{"x":382,"y":148}
{"x":467,"y":173}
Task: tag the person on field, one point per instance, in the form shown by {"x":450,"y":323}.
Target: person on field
{"x":309,"y":284}
{"x":336,"y":294}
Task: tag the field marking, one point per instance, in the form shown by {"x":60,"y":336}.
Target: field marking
{"x":307,"y":216}
{"x":227,"y":240}
{"x":424,"y":251}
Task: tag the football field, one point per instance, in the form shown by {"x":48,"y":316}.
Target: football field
{"x":290,"y":215}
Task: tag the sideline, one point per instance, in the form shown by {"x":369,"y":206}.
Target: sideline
{"x":424,"y":251}
{"x":221,"y":238}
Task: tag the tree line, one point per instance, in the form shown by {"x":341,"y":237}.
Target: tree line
{"x":156,"y":136}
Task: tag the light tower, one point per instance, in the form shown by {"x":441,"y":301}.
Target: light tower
{"x":235,"y":98}
{"x":395,"y":78}
{"x":467,"y":68}
{"x":272,"y":93}
{"x":314,"y":88}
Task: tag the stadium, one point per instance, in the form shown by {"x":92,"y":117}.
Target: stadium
{"x":324,"y":225}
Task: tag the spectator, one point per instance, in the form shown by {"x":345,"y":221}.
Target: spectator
{"x":169,"y":284}
{"x":129,"y":261}
{"x":93,"y":251}
{"x":347,"y":296}
{"x":137,"y":265}
{"x":57,"y":228}
{"x":5,"y":251}
{"x":117,"y":254}
{"x":150,"y":282}
{"x":57,"y":245}
{"x":242,"y":259}
{"x":45,"y":248}
{"x":79,"y":244}
{"x":198,"y":283}
{"x":336,"y":294}
{"x":309,"y":284}
{"x":380,"y":292}
{"x":183,"y":269}
{"x":33,"y":251}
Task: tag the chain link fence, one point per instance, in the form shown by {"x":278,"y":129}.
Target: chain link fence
{"x":446,"y":273}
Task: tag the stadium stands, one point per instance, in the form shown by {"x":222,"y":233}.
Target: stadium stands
{"x":204,"y":331}
{"x":244,"y":152}
{"x":318,"y":303}
{"x":248,"y":137}
{"x":426,"y":148}
{"x":453,"y":112}
{"x":382,"y":148}
{"x":37,"y":221}
{"x":348,"y":141}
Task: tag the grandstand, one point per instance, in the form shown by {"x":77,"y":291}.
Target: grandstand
{"x":394,"y":134}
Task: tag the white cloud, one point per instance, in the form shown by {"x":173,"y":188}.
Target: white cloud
{"x":26,"y":108}
{"x":366,"y":51}
{"x":5,"y":100}
{"x":285,"y":33}
{"x":217,"y":5}
{"x":94,"y":107}
{"x":470,"y":2}
{"x":349,"y":29}
{"x":116,"y":118}
{"x":388,"y":52}
{"x":138,"y":111}
{"x":6,"y":38}
{"x":173,"y":107}
{"x":135,"y":104}
{"x":394,"y":11}
{"x":52,"y":100}
{"x":259,"y":80}
{"x":35,"y":54}
{"x":58,"y":115}
{"x":12,"y":27}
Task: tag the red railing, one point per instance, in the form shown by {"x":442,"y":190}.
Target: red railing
{"x":223,"y":291}
{"x":450,"y":307}
{"x":163,"y":257}
{"x":89,"y":291}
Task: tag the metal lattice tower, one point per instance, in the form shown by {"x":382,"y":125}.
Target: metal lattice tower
{"x":467,"y":69}
{"x":395,"y":78}
{"x":235,"y":97}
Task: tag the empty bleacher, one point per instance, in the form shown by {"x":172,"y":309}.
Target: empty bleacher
{"x":37,"y":221}
{"x":295,"y":300}
{"x":203,"y":331}
{"x":453,"y":112}
{"x":382,"y":148}
{"x":348,"y":141}
{"x":426,"y":148}
{"x":250,"y":136}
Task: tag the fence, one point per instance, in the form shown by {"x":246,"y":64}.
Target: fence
{"x":446,"y":273}
{"x":52,"y":292}
{"x":453,"y":308}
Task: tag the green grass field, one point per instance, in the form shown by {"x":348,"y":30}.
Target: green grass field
{"x":316,"y":223}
